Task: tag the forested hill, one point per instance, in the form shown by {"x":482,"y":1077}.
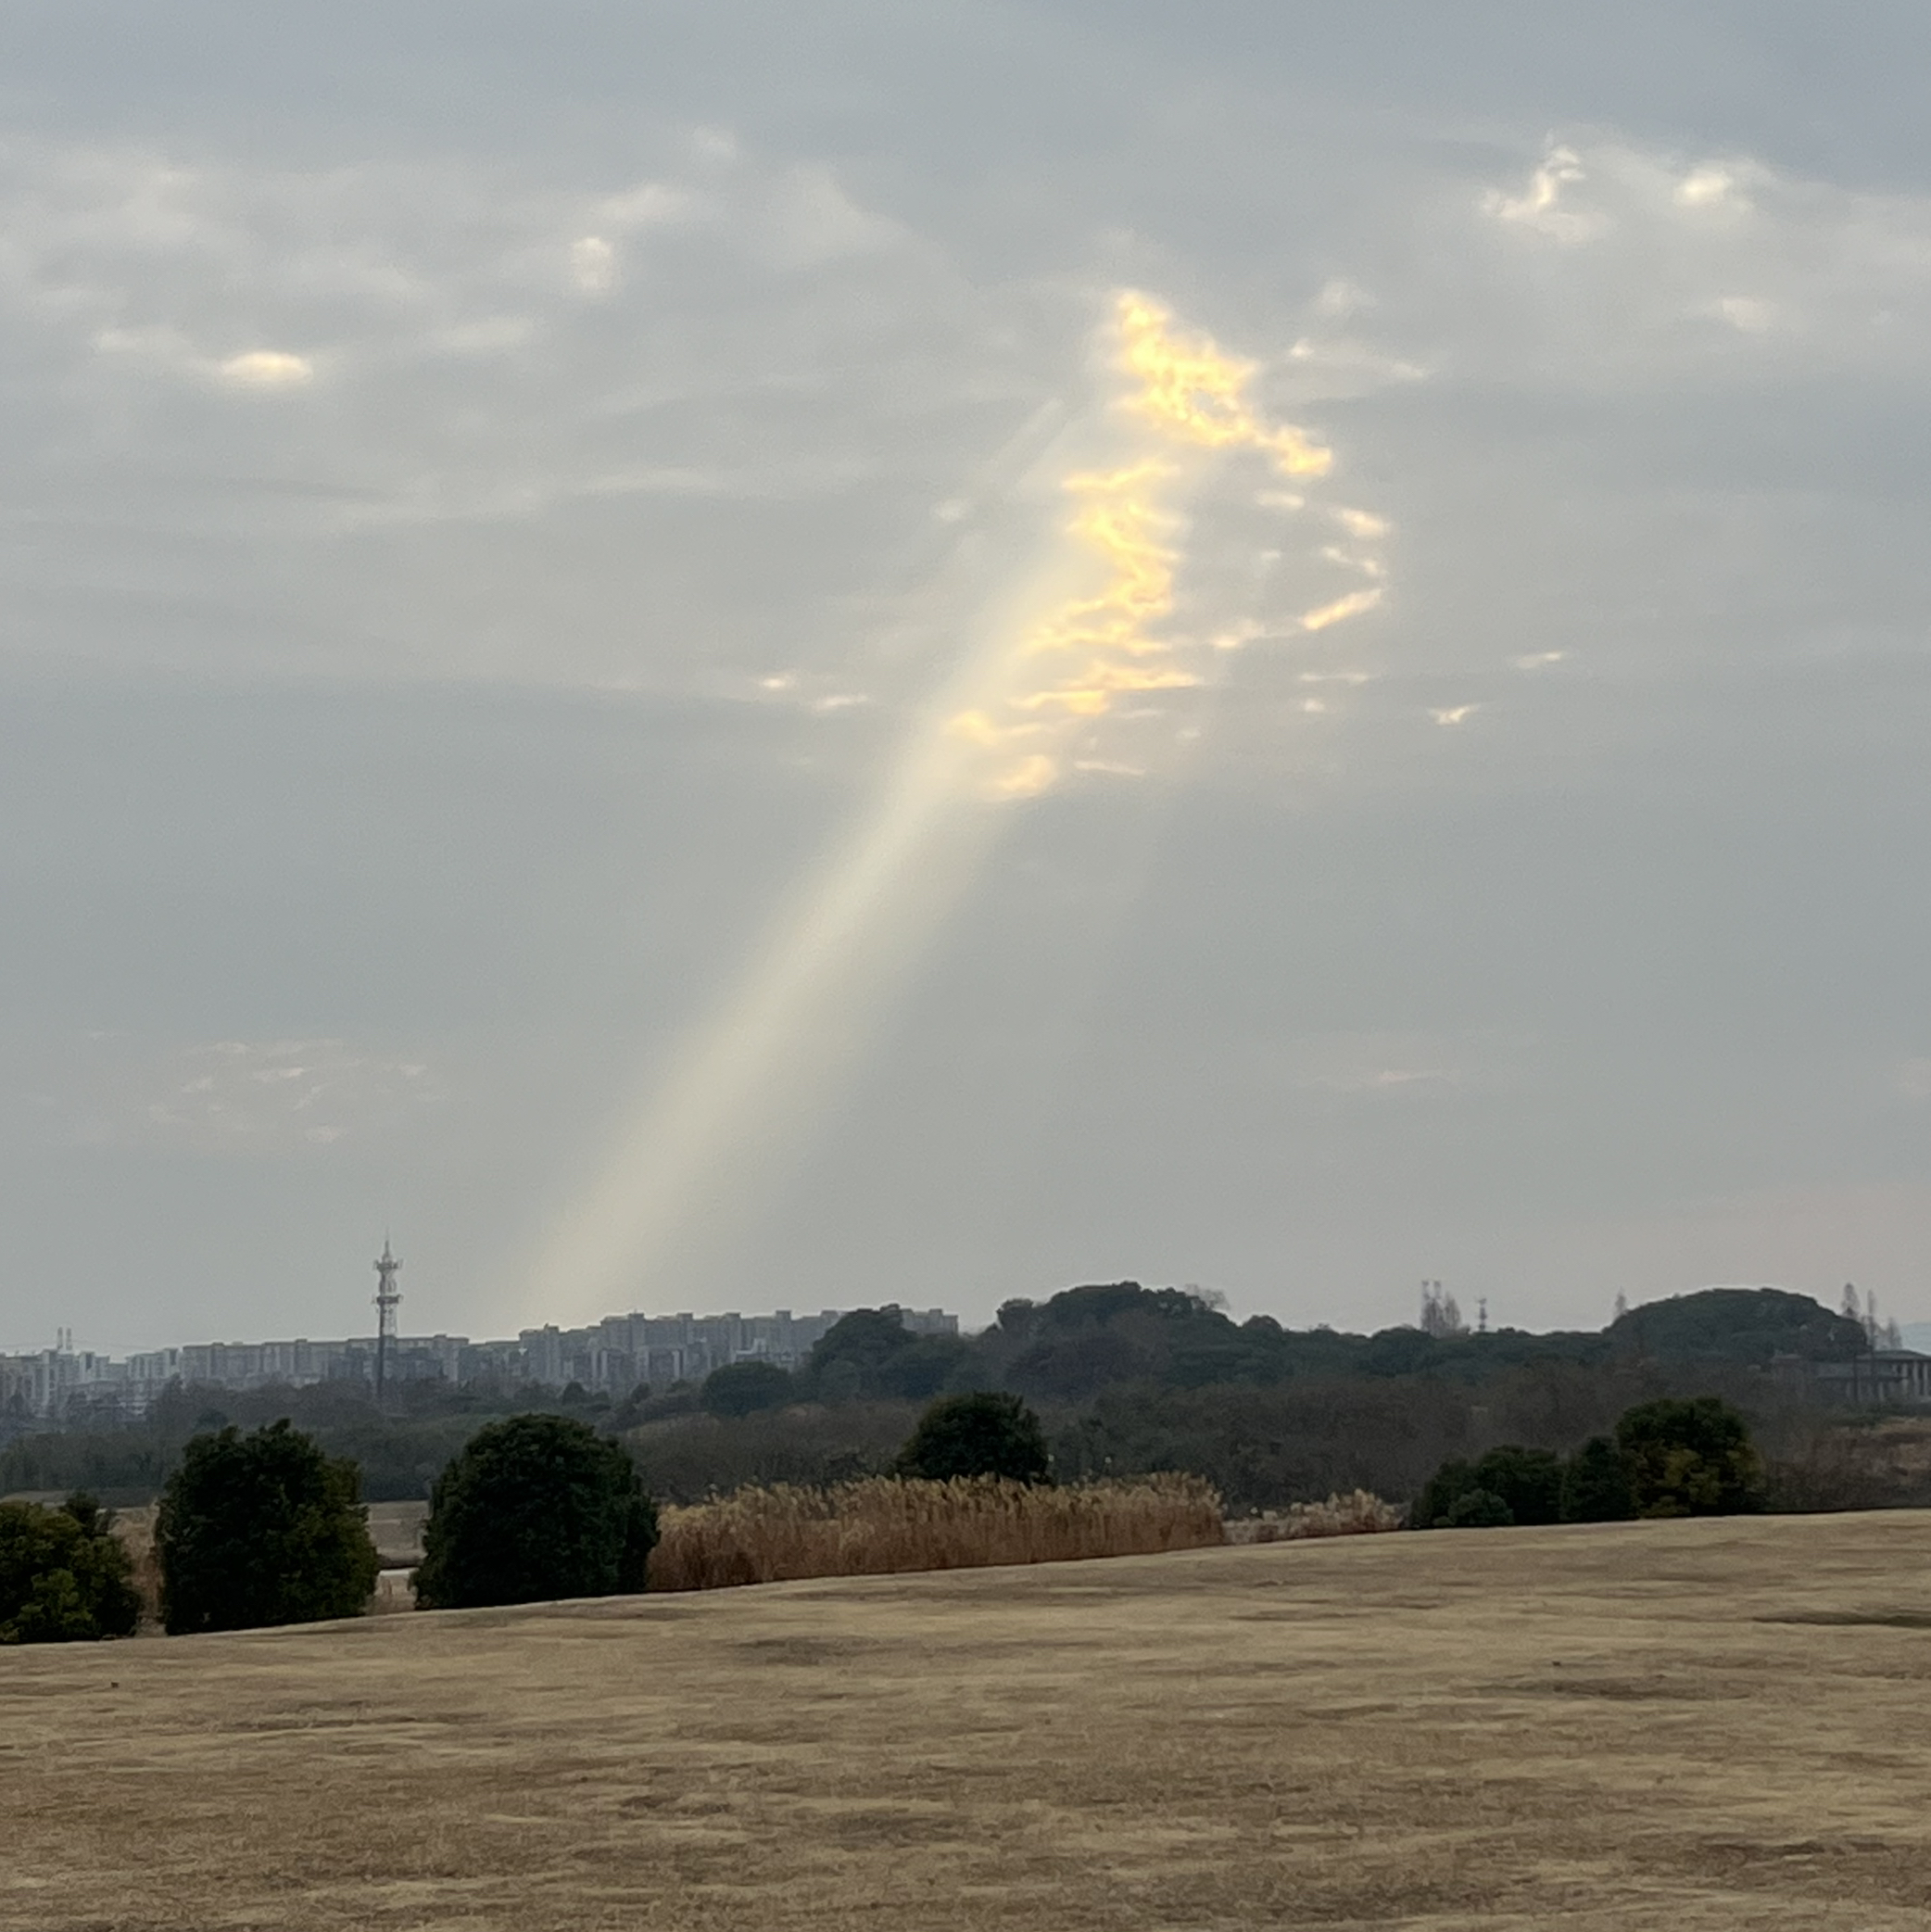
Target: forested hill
{"x":1125,"y":1379}
{"x":1084,"y":1340}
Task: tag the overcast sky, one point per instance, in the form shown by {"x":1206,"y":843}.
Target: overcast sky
{"x":506,"y":507}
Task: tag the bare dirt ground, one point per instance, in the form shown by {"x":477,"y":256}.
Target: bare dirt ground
{"x":1668,"y":1725}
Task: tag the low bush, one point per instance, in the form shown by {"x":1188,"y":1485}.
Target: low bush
{"x":888,"y":1524}
{"x":534,"y":1507}
{"x":977,"y":1434}
{"x":1672,"y":1456}
{"x":261,"y":1529}
{"x":64,"y":1576}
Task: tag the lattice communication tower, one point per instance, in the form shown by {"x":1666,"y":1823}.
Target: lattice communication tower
{"x":388,"y":1298}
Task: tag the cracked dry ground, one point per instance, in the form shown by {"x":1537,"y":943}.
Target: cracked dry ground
{"x":1680,"y":1725}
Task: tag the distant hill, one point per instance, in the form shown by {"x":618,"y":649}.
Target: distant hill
{"x":1737,"y":1325}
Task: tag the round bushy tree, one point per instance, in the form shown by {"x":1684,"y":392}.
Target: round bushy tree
{"x":1527,"y":1482}
{"x":743,"y":1388}
{"x":1689,"y":1458}
{"x":64,"y":1576}
{"x":534,"y":1507}
{"x":1595,"y":1484}
{"x":979,"y":1435}
{"x":1478,"y":1509}
{"x":262,"y":1529}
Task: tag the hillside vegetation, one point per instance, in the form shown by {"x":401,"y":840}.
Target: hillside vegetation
{"x":1127,"y":1380}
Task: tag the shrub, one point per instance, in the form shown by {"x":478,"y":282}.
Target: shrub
{"x":886,"y":1524}
{"x":979,"y":1435}
{"x":63,"y":1577}
{"x":1595,"y":1484}
{"x":1689,"y":1458}
{"x":1478,"y":1509}
{"x":261,"y":1529}
{"x":534,"y":1507}
{"x":743,"y":1388}
{"x":1526,"y":1483}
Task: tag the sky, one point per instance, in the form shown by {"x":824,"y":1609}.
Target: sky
{"x":746,"y":656}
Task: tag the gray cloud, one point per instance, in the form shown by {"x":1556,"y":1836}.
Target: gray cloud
{"x":481,"y":521}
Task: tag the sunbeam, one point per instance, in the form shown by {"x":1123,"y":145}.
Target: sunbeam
{"x":1027,"y":709}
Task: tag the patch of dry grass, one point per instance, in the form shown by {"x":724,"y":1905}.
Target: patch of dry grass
{"x":1689,"y":1726}
{"x":1358,"y":1514}
{"x":885,"y":1525}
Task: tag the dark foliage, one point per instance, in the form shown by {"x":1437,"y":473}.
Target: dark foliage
{"x":871,"y":1356}
{"x":1690,"y":1457}
{"x":1431,"y":1509}
{"x":1529,"y":1480}
{"x":1595,"y":1484}
{"x":64,"y":1576}
{"x":685,"y":1457}
{"x":261,"y":1529}
{"x":743,"y":1388}
{"x":1127,"y":1380}
{"x":534,"y":1507}
{"x":977,"y":1434}
{"x":1478,"y":1509}
{"x":1527,"y":1484}
{"x":1738,"y":1325}
{"x":401,"y":1451}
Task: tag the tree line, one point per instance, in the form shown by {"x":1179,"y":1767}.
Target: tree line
{"x":266,"y":1528}
{"x":1126,"y":1381}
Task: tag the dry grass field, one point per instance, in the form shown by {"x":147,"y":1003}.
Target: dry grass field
{"x":1678,"y":1726}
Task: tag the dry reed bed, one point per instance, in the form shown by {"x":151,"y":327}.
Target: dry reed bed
{"x":883,"y":1525}
{"x":1358,"y":1514}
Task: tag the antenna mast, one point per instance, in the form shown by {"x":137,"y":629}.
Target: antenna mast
{"x":387,"y":1298}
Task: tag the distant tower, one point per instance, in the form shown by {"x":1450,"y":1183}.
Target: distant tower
{"x":387,"y":1298}
{"x":1482,"y":1314}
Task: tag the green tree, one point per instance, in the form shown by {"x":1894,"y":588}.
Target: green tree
{"x":855,"y":1354}
{"x":1689,"y":1456}
{"x":534,"y":1507}
{"x":1478,"y":1509}
{"x":262,"y":1529}
{"x":1595,"y":1484}
{"x":743,"y":1388}
{"x":64,"y":1576}
{"x":1526,"y":1483}
{"x":977,"y":1435}
{"x":1439,"y":1494}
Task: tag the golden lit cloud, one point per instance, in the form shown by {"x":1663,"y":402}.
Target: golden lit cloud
{"x":267,"y":368}
{"x":1339,"y":610}
{"x":1198,"y":395}
{"x":1186,"y":396}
